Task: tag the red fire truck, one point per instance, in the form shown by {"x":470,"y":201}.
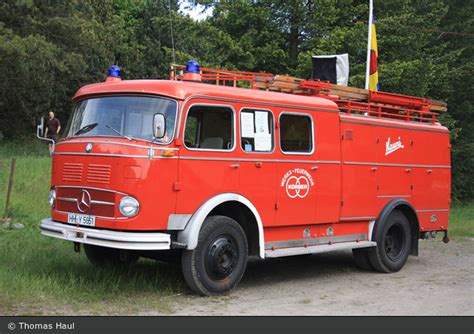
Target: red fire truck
{"x":212,"y":173}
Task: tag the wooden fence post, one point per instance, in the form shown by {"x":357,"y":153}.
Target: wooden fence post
{"x":10,"y":186}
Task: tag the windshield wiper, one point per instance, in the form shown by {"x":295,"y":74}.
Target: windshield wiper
{"x":85,"y":128}
{"x":118,"y":132}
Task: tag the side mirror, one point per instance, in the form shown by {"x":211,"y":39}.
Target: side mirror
{"x":159,"y":126}
{"x":40,"y":127}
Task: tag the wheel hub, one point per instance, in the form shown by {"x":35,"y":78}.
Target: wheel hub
{"x":394,"y":242}
{"x":221,"y":258}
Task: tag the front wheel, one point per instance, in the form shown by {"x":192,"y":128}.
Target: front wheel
{"x":218,"y":262}
{"x":393,"y":239}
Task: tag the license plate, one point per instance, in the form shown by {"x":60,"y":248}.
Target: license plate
{"x":86,"y":220}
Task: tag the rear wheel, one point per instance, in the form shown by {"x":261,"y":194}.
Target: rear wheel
{"x":393,"y":239}
{"x":218,"y":262}
{"x":104,"y":256}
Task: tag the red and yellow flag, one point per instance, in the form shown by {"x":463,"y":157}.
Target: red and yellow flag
{"x":373,"y":70}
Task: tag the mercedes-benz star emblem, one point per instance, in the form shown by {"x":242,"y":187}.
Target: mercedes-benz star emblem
{"x":88,"y":147}
{"x":84,"y":201}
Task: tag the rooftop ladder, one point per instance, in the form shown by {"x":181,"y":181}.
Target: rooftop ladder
{"x":349,"y":100}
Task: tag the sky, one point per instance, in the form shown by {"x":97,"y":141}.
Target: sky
{"x":196,"y":12}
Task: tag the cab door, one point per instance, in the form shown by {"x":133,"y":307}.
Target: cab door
{"x":207,"y":161}
{"x":296,"y":181}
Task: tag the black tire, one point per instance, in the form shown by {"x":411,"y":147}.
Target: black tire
{"x":104,"y":256}
{"x":393,"y":239}
{"x":361,"y":258}
{"x":218,"y":262}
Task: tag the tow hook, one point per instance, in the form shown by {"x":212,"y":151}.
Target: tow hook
{"x":446,"y":238}
{"x":77,"y":247}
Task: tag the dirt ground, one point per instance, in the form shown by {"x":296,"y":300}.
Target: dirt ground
{"x":437,"y":282}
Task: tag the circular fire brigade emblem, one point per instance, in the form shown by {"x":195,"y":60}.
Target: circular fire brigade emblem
{"x":297,"y":183}
{"x":83,"y":201}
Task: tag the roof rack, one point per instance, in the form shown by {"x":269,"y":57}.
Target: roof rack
{"x":222,"y":77}
{"x":350,"y":100}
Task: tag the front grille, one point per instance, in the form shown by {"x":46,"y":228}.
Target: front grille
{"x":72,"y":172}
{"x":98,"y":173}
{"x":102,"y":204}
{"x":93,"y":173}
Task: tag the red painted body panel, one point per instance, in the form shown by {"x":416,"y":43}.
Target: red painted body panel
{"x":352,"y":176}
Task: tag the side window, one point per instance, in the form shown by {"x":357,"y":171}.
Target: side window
{"x":209,"y":127}
{"x":296,"y":135}
{"x":256,"y":130}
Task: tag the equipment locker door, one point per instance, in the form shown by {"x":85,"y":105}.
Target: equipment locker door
{"x":258,"y":168}
{"x":296,"y":194}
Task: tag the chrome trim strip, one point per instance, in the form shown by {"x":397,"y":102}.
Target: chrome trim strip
{"x":318,"y":249}
{"x":433,"y":210}
{"x":357,"y":218}
{"x":116,"y":155}
{"x":393,"y":196}
{"x":306,"y":242}
{"x":234,"y":128}
{"x":93,"y":188}
{"x":74,"y":141}
{"x":363,"y":163}
{"x":74,"y":200}
{"x":313,"y":148}
{"x":391,"y":126}
{"x":103,"y":155}
{"x":102,"y":203}
{"x":106,"y":238}
{"x":101,"y":217}
{"x":67,"y":199}
{"x":259,"y":160}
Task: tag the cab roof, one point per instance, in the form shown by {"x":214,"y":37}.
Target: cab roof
{"x":182,"y":90}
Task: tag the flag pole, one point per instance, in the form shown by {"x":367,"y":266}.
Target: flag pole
{"x":369,"y":40}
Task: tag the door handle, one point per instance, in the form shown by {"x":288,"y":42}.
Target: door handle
{"x":235,"y":166}
{"x":373,"y":169}
{"x":314,"y":168}
{"x":408,"y":170}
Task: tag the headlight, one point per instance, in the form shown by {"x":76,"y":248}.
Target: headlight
{"x":52,"y":198}
{"x":129,"y":206}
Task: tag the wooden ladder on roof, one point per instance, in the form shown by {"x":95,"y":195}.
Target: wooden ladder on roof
{"x":349,"y":100}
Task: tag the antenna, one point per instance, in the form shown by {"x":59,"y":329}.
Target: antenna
{"x":171,"y":29}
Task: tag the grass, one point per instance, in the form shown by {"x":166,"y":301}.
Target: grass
{"x":43,"y":275}
{"x":461,"y":222}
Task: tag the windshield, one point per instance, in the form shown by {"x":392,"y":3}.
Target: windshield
{"x":121,"y":116}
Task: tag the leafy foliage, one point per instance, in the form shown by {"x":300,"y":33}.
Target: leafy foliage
{"x":48,"y":49}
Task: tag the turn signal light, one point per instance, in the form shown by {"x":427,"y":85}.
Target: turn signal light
{"x":167,"y":153}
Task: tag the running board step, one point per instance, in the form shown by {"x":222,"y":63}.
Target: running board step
{"x":318,"y":249}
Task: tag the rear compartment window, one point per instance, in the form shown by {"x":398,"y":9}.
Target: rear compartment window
{"x":296,"y":135}
{"x":210,"y":128}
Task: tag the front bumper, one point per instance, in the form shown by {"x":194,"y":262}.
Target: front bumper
{"x":106,"y":238}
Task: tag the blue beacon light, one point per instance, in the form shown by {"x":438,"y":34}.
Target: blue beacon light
{"x":113,"y":73}
{"x":192,"y":66}
{"x":192,"y":72}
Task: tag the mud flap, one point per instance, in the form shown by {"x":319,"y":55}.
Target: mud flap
{"x":414,"y":246}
